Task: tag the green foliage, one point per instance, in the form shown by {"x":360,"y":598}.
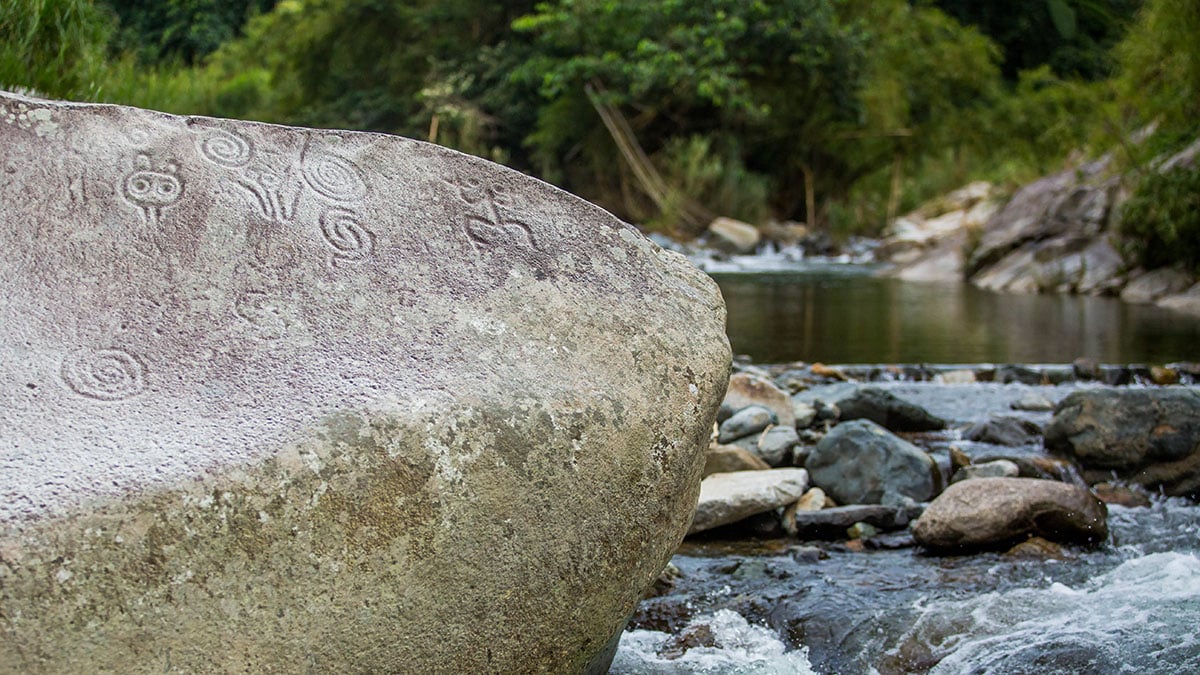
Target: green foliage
{"x":717,"y":180}
{"x":54,"y":47}
{"x":1160,"y":60}
{"x":185,"y":30}
{"x":1161,"y":219}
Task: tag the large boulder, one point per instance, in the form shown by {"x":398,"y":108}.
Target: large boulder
{"x":860,"y":462}
{"x":729,"y":497}
{"x":276,"y":398}
{"x":1150,"y":437}
{"x":998,"y":512}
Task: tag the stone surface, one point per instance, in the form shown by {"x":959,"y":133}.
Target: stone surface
{"x":872,"y":403}
{"x":729,"y":458}
{"x":1156,"y":284}
{"x":999,"y":468}
{"x":286,"y":399}
{"x":775,"y":445}
{"x":747,"y":389}
{"x":729,"y":497}
{"x":860,"y":462}
{"x":1150,"y":437}
{"x":1187,"y":302}
{"x":998,"y":512}
{"x":747,"y":421}
{"x":733,"y":236}
{"x":833,"y":523}
{"x":1004,"y":430}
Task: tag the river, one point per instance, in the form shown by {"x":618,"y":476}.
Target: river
{"x":1130,"y":605}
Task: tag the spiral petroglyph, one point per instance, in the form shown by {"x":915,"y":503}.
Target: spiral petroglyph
{"x":104,"y":374}
{"x":348,"y":238}
{"x":224,"y":148}
{"x":334,"y":178}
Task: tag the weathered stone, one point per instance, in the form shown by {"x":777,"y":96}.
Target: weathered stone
{"x":1032,"y":402}
{"x":859,"y":462}
{"x":729,"y":458}
{"x":1187,"y":302}
{"x":1004,"y":430}
{"x":775,"y":445}
{"x":872,"y":403}
{"x":286,"y":399}
{"x":1150,"y":437}
{"x":733,"y":236}
{"x":832,"y":523}
{"x":1154,"y":285}
{"x":1121,"y":495}
{"x":729,"y":497}
{"x":747,"y":421}
{"x":999,"y":468}
{"x":746,"y":390}
{"x":997,"y":512}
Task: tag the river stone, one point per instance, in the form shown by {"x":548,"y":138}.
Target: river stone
{"x":872,"y":403}
{"x":1004,"y":430}
{"x":1150,"y":437}
{"x":997,"y":512}
{"x":727,"y":458}
{"x":998,"y":468}
{"x":729,"y":497}
{"x":276,"y":398}
{"x":747,"y":389}
{"x":733,"y":236}
{"x":860,"y":462}
{"x":747,"y":421}
{"x":774,"y":446}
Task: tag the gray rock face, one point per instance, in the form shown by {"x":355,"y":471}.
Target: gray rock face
{"x":996,"y":512}
{"x":272,"y":397}
{"x":729,"y":497}
{"x":1147,"y":436}
{"x":860,"y":462}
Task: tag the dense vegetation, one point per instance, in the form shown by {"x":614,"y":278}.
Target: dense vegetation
{"x":839,"y":113}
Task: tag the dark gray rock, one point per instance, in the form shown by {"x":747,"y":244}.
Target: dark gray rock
{"x":747,"y":421}
{"x":1010,"y":373}
{"x":991,"y":513}
{"x":1003,"y":430}
{"x":1150,"y":437}
{"x":833,"y":523}
{"x":999,"y":468}
{"x":859,"y":462}
{"x":855,"y":402}
{"x":775,"y":446}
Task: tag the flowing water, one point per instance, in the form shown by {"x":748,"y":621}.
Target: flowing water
{"x":1131,"y":605}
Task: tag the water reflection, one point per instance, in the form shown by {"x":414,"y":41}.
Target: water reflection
{"x":844,"y":315}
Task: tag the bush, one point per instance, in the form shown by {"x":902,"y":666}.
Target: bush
{"x":1161,"y":220}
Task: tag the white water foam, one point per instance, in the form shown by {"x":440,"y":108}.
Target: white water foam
{"x":1139,"y":618}
{"x":740,"y":648}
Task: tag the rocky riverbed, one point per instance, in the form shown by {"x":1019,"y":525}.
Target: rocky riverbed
{"x":944,"y":519}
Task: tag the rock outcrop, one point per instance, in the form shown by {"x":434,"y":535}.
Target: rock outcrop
{"x":276,"y":398}
{"x":1150,"y":437}
{"x":998,"y":512}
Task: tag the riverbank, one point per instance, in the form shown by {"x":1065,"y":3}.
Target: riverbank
{"x":763,"y":594}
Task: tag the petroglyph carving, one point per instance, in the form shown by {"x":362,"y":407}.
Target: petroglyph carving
{"x":275,"y":195}
{"x":224,"y":148}
{"x":333,"y":177}
{"x":489,"y":222}
{"x":349,"y":239}
{"x":152,"y":190}
{"x":104,"y":374}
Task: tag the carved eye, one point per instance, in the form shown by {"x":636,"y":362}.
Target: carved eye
{"x":168,"y":188}
{"x":139,"y":185}
{"x":502,"y":198}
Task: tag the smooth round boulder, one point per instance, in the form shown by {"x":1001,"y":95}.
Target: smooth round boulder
{"x":860,"y":462}
{"x":1150,"y":437}
{"x":284,"y":399}
{"x":987,"y":513}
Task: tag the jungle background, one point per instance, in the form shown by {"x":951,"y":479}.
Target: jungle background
{"x":840,"y":114}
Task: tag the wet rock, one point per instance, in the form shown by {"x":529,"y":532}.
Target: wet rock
{"x":1164,"y":375}
{"x":747,"y":421}
{"x":1000,"y":468}
{"x":733,"y":236}
{"x":861,"y":531}
{"x":696,"y":635}
{"x":804,"y":414}
{"x":1039,"y":549}
{"x":954,"y":377}
{"x":808,"y":554}
{"x":746,"y":389}
{"x":1087,"y":369}
{"x":854,"y":402}
{"x":776,"y":444}
{"x":729,"y":497}
{"x":1010,"y":373}
{"x":285,"y":399}
{"x":890,"y":541}
{"x":664,"y":583}
{"x":994,"y":512}
{"x":1121,"y":495}
{"x":832,"y":523}
{"x":1150,"y":437}
{"x":1000,"y":430}
{"x":1032,"y":402}
{"x":1187,"y":302}
{"x":858,"y":462}
{"x":730,"y":458}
